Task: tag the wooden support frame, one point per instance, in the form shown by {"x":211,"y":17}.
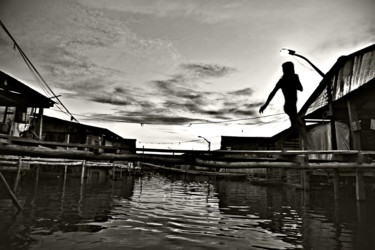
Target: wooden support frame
{"x":9,"y":191}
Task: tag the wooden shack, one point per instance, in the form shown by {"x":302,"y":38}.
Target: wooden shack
{"x":244,"y":143}
{"x":59,"y":130}
{"x":351,"y":110}
{"x":351,"y":82}
{"x":20,"y":106}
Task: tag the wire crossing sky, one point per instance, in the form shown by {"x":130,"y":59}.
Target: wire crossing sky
{"x":164,"y":63}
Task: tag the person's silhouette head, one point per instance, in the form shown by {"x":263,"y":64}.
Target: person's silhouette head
{"x":288,"y":68}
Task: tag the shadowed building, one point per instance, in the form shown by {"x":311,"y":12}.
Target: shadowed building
{"x":20,"y":106}
{"x":58,"y":130}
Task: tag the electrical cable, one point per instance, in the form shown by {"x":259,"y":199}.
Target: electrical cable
{"x":147,"y":123}
{"x":195,"y":140}
{"x":35,"y":71}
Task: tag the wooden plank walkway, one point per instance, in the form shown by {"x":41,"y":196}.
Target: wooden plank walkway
{"x":63,"y":154}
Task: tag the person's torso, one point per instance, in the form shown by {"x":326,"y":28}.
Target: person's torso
{"x":289,"y":86}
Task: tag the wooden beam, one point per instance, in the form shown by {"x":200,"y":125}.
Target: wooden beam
{"x":354,"y":125}
{"x":9,"y":191}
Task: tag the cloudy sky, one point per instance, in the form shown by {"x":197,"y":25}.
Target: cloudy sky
{"x":167,"y":71}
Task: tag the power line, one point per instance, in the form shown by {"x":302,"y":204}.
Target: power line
{"x":149,"y":123}
{"x":36,"y":72}
{"x":195,"y":140}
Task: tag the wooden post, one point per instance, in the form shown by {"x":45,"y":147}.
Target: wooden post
{"x":67,"y":139}
{"x":18,"y":177}
{"x":40,"y":123}
{"x":83,"y":171}
{"x":37,"y":176}
{"x":355,"y":130}
{"x":336,"y":184}
{"x":360,"y":186}
{"x":9,"y":191}
{"x":332,"y":114}
{"x":355,"y":127}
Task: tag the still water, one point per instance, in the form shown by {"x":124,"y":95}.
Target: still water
{"x":160,"y":211}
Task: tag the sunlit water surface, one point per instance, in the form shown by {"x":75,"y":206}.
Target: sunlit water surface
{"x":158,"y":211}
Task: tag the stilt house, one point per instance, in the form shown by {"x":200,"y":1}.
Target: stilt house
{"x":20,"y":106}
{"x":345,"y":99}
{"x":58,"y":130}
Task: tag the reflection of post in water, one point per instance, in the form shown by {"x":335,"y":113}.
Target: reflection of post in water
{"x":359,"y":185}
{"x":361,"y":212}
{"x":80,"y":199}
{"x":140,"y":186}
{"x":36,"y":184}
{"x":338,"y":225}
{"x":63,"y":189}
{"x":306,"y":175}
{"x":83,"y":171}
{"x":81,"y":187}
{"x":336,"y":184}
{"x":32,"y":202}
{"x":64,"y":179}
{"x":18,"y":177}
{"x":208,"y":192}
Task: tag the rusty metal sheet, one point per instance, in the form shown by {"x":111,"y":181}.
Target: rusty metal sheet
{"x":356,"y":71}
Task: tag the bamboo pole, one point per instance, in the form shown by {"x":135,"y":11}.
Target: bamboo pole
{"x":286,"y":165}
{"x":9,"y":191}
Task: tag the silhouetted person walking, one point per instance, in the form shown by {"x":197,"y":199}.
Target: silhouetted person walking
{"x":289,"y":84}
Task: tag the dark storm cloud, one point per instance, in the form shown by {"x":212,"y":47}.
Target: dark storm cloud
{"x":173,"y":92}
{"x":171,"y":112}
{"x":111,"y":100}
{"x":139,"y":117}
{"x":178,"y":99}
{"x":122,"y":97}
{"x":207,"y":70}
{"x":242,"y":92}
{"x":179,"y":105}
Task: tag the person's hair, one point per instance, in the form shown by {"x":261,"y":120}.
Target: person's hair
{"x":288,"y":68}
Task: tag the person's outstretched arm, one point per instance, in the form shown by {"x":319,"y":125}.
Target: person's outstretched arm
{"x":272,"y":94}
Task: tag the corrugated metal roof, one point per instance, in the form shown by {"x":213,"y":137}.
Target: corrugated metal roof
{"x":15,"y":93}
{"x":348,"y":74}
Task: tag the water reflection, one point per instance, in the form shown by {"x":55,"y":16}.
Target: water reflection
{"x":179,"y":212}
